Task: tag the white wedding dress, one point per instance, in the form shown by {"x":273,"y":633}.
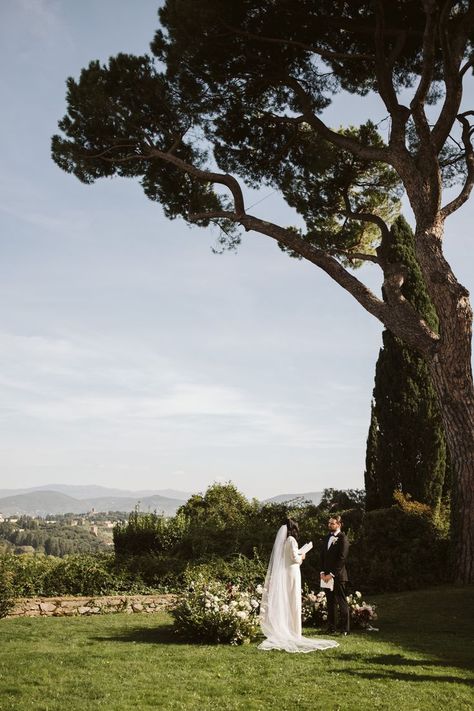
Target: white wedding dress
{"x":280,"y":609}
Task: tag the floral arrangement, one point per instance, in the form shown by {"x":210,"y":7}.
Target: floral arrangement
{"x":362,"y":614}
{"x":215,"y":612}
{"x":314,"y":610}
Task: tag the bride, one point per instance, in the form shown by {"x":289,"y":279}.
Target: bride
{"x":280,"y":610}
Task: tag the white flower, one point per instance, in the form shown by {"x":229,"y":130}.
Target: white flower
{"x":259,"y":589}
{"x":254,"y":602}
{"x":242,"y":614}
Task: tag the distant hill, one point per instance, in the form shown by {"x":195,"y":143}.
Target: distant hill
{"x":79,"y":499}
{"x":313,"y":496}
{"x":92,"y":491}
{"x":42,"y":503}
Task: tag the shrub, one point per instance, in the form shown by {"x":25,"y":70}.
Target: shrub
{"x":247,"y":573}
{"x":144,"y":533}
{"x":154,"y":570}
{"x":399,"y":548}
{"x":81,"y":574}
{"x":213,"y":612}
{"x":6,"y":589}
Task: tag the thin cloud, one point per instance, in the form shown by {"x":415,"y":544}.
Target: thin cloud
{"x":42,"y":19}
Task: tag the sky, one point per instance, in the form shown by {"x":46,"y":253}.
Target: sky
{"x":132,"y":356}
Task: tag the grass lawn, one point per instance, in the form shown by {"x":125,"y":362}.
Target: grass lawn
{"x":422,"y":658}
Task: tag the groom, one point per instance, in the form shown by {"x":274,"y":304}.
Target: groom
{"x":334,"y":550}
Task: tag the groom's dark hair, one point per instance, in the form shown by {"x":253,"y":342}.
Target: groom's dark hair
{"x":293,"y":528}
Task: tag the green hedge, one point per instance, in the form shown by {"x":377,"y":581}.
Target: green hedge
{"x":399,"y":549}
{"x":82,"y":574}
{"x":7,"y":591}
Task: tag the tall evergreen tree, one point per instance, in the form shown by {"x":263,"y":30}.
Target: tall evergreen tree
{"x":406,"y":448}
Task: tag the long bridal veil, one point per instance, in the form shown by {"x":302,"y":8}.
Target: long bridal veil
{"x":278,"y":601}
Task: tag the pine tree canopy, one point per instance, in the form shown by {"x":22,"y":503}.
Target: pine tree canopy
{"x":239,"y":87}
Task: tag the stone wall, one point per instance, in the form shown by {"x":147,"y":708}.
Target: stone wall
{"x":100,"y":605}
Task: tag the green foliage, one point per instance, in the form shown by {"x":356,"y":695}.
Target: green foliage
{"x":238,"y":570}
{"x":217,"y":522}
{"x":6,"y":588}
{"x":79,"y":575}
{"x":220,"y":532}
{"x":149,"y":532}
{"x":399,"y":548}
{"x":248,"y":541}
{"x":406,"y":447}
{"x":215,"y":612}
{"x":155,"y":571}
{"x":336,"y":500}
{"x":33,"y":575}
{"x":120,"y":111}
{"x":219,"y":88}
{"x":57,"y":539}
{"x":154,"y":553}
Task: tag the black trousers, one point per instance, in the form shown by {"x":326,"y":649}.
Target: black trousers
{"x":337,"y":599}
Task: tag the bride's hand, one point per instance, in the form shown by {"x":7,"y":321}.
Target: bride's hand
{"x":303,"y":556}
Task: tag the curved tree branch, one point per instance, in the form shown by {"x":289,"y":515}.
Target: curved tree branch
{"x":348,"y":143}
{"x":467,"y":132}
{"x":365,"y":216}
{"x":221,"y":178}
{"x":466,"y":67}
{"x":355,"y":256}
{"x":324,"y":53}
{"x":397,"y":315}
{"x":382,"y":68}
{"x":452,"y":57}
{"x":417,"y":104}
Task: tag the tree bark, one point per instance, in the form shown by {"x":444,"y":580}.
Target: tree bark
{"x":451,"y":372}
{"x":453,"y":383}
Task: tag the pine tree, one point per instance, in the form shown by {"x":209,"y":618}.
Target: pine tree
{"x":406,"y":448}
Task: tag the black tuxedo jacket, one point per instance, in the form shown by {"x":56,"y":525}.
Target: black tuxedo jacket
{"x":333,"y":560}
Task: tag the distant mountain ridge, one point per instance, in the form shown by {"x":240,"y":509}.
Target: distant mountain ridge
{"x":92,"y":491}
{"x":81,"y":499}
{"x":42,"y":502}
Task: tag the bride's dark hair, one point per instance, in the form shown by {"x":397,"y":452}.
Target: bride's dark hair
{"x":293,"y":528}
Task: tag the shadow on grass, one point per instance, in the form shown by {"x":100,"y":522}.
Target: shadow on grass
{"x":387,"y":662}
{"x":392,"y":660}
{"x":436,"y":623}
{"x":392,"y":675}
{"x":445,"y":648}
{"x":164,"y":634}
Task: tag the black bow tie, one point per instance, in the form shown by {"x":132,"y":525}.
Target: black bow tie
{"x":335,"y":535}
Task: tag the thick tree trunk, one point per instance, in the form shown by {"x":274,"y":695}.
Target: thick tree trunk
{"x":454,"y":385}
{"x":451,"y":371}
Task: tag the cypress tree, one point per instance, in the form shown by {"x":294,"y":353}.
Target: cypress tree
{"x":406,"y":448}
